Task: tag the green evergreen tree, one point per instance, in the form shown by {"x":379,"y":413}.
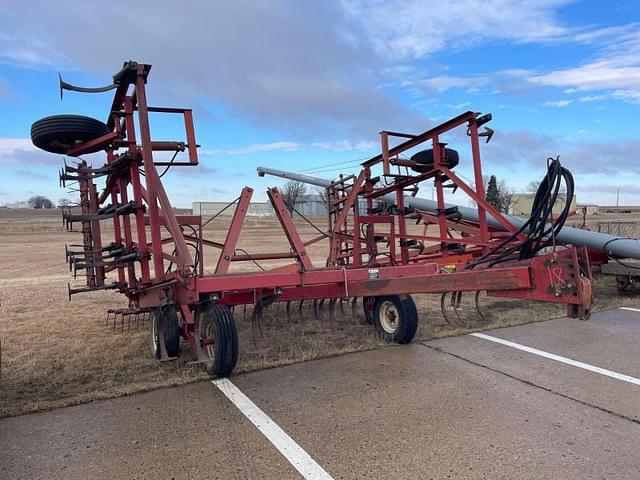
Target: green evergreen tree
{"x":493,"y":194}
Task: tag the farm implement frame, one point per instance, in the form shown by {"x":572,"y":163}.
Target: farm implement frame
{"x":157,"y":257}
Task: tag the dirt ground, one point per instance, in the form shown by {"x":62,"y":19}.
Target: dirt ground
{"x":57,"y":353}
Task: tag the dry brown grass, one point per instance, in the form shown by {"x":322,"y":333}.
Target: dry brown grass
{"x":57,"y":353}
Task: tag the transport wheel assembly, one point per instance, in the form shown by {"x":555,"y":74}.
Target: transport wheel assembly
{"x":165,"y":326}
{"x":60,"y":133}
{"x":218,"y":336}
{"x":424,"y":159}
{"x":395,"y":318}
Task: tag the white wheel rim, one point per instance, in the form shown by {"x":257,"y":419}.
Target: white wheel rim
{"x":154,"y":335}
{"x":208,"y":333}
{"x":389,"y":317}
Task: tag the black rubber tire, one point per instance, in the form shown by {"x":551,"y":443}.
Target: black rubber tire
{"x":406,"y":324}
{"x":424,"y":159}
{"x":167,"y":314}
{"x":368,"y":304}
{"x":224,"y":351}
{"x":59,"y":133}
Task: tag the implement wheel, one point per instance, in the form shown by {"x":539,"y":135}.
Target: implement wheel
{"x":395,"y":318}
{"x":217,"y":331}
{"x":60,"y":133}
{"x":424,"y":159}
{"x":165,"y":326}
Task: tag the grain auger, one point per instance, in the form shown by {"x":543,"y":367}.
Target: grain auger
{"x":383,"y":245}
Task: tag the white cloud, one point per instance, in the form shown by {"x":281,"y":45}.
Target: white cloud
{"x":525,"y":147}
{"x":558,"y":103}
{"x":284,"y":64}
{"x":14,"y":150}
{"x":346,"y":145}
{"x":253,"y":148}
{"x":405,"y":29}
{"x":615,"y":70}
{"x":9,"y":145}
{"x":266,"y":147}
{"x":446,"y":82}
{"x":593,"y":98}
{"x":596,"y":75}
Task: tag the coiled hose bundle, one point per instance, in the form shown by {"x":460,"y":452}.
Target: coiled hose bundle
{"x":541,"y":228}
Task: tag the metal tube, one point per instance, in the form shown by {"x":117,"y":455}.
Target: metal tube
{"x":601,"y":242}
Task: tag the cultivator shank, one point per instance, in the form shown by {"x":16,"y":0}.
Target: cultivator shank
{"x":381,"y":249}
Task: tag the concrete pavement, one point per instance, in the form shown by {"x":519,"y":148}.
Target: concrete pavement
{"x":459,"y":407}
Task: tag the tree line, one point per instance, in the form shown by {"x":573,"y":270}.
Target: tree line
{"x":40,"y":201}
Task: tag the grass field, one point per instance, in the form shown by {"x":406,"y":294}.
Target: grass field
{"x":57,"y":353}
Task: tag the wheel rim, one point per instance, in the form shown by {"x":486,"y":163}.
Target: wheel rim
{"x":389,"y":317}
{"x":208,"y":339}
{"x":154,"y":335}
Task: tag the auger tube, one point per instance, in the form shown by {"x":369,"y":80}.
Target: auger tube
{"x":601,"y":242}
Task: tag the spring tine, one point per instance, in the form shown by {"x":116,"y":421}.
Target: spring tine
{"x":129,"y":321}
{"x":254,"y":320}
{"x":263,"y":313}
{"x":316,"y":311}
{"x":258,"y":310}
{"x":106,"y":322}
{"x":332,"y":317}
{"x":342,"y":306}
{"x":122,"y":326}
{"x":443,"y":307}
{"x":479,"y":313}
{"x":456,"y":300}
{"x":300,"y":305}
{"x":244,"y":311}
{"x":321,"y":310}
{"x":261,"y":322}
{"x":354,"y":310}
{"x":288,"y":311}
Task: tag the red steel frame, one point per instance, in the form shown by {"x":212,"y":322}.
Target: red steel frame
{"x":356,"y":264}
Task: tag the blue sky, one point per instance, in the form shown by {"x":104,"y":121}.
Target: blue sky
{"x":306,"y":86}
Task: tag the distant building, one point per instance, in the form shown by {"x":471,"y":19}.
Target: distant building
{"x":587,"y":209}
{"x":310,"y":205}
{"x":19,"y":205}
{"x":256,"y":209}
{"x":521,"y":204}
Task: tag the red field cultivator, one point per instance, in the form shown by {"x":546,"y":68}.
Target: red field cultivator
{"x":157,"y":257}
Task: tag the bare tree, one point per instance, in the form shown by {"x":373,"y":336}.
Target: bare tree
{"x":323,"y":195}
{"x":505,"y":193}
{"x":39,"y":201}
{"x":532,"y":187}
{"x":292,"y":193}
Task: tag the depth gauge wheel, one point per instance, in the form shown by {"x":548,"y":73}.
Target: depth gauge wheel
{"x":60,"y":133}
{"x":165,"y":319}
{"x":395,"y":318}
{"x":217,"y":331}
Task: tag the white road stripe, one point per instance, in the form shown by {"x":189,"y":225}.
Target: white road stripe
{"x":558,"y":358}
{"x":630,"y":309}
{"x":300,"y":459}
